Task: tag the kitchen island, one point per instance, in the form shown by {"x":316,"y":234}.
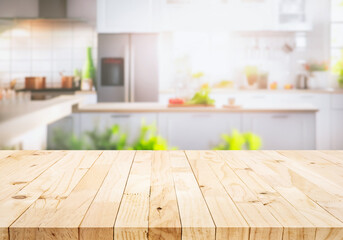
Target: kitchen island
{"x":199,"y":128}
{"x":26,"y":122}
{"x":236,"y":195}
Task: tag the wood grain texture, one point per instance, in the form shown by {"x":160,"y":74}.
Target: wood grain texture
{"x":230,"y":224}
{"x":235,"y":195}
{"x":164,"y":218}
{"x":50,"y":190}
{"x":99,"y":220}
{"x":296,"y":226}
{"x":13,"y":200}
{"x":132,"y":220}
{"x":63,"y":225}
{"x":262,"y":223}
{"x":196,"y":219}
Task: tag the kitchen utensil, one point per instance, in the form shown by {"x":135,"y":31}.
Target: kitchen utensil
{"x":302,"y":81}
{"x":35,"y":82}
{"x":67,"y":81}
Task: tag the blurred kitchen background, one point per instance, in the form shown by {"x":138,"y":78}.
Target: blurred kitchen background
{"x":164,"y":74}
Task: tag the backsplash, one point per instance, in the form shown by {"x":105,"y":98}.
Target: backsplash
{"x":43,"y":48}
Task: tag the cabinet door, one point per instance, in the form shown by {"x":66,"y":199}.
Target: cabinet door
{"x":337,"y":121}
{"x":18,"y":8}
{"x":82,"y":9}
{"x":69,"y":124}
{"x":196,"y":131}
{"x":118,"y":16}
{"x":129,"y":123}
{"x":337,"y":129}
{"x":280,"y":131}
{"x":323,"y":128}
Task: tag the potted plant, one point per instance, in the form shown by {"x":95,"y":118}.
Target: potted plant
{"x":251,"y":74}
{"x":337,"y":69}
{"x":319,"y":75}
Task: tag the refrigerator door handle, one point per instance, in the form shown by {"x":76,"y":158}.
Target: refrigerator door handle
{"x":132,"y":74}
{"x":126,"y":73}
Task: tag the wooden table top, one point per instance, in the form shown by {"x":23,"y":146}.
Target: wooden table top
{"x":235,"y":195}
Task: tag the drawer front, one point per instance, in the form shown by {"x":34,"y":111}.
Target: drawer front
{"x":337,"y":101}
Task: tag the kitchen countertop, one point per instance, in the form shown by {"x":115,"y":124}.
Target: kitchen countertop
{"x":270,"y":195}
{"x":18,"y":118}
{"x":157,"y":107}
{"x":277,"y":91}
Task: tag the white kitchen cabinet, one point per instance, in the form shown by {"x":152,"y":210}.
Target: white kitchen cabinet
{"x":323,"y":116}
{"x":129,"y":123}
{"x":69,"y":125}
{"x":18,"y":8}
{"x":84,"y":10}
{"x":129,"y":16}
{"x":337,"y":122}
{"x":196,"y":131}
{"x":283,"y":131}
{"x":217,"y":15}
{"x":337,"y":129}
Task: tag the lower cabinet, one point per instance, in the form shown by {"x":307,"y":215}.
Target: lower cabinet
{"x":337,"y":129}
{"x":129,"y":123}
{"x":337,"y":122}
{"x":196,"y":131}
{"x":202,"y":131}
{"x":280,"y":131}
{"x":67,"y":125}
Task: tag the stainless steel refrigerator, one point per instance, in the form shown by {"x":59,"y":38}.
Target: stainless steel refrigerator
{"x":127,"y":68}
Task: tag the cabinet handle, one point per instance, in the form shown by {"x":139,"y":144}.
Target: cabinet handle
{"x":280,"y":116}
{"x":201,"y":115}
{"x":258,"y":97}
{"x":120,"y":116}
{"x":306,"y":96}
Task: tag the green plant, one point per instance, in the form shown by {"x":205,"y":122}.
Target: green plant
{"x":251,"y":71}
{"x":149,"y":140}
{"x":239,"y":141}
{"x":109,"y":139}
{"x":317,"y":67}
{"x":338,"y":70}
{"x":202,"y":97}
{"x":65,"y":141}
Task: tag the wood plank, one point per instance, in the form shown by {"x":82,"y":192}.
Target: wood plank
{"x":48,"y":191}
{"x":100,"y":217}
{"x":263,"y":225}
{"x":327,"y":194}
{"x":196,"y":219}
{"x":327,"y":226}
{"x":296,"y":226}
{"x":9,"y":164}
{"x":32,"y":165}
{"x":6,"y":153}
{"x":62,"y":224}
{"x":316,"y":164}
{"x":164,"y":218}
{"x":229,"y":222}
{"x":336,"y":154}
{"x":132,"y":220}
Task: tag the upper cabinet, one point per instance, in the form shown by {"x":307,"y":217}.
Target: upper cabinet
{"x":118,"y":16}
{"x":125,"y":16}
{"x":18,"y":8}
{"x":81,"y":10}
{"x":84,"y":10}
